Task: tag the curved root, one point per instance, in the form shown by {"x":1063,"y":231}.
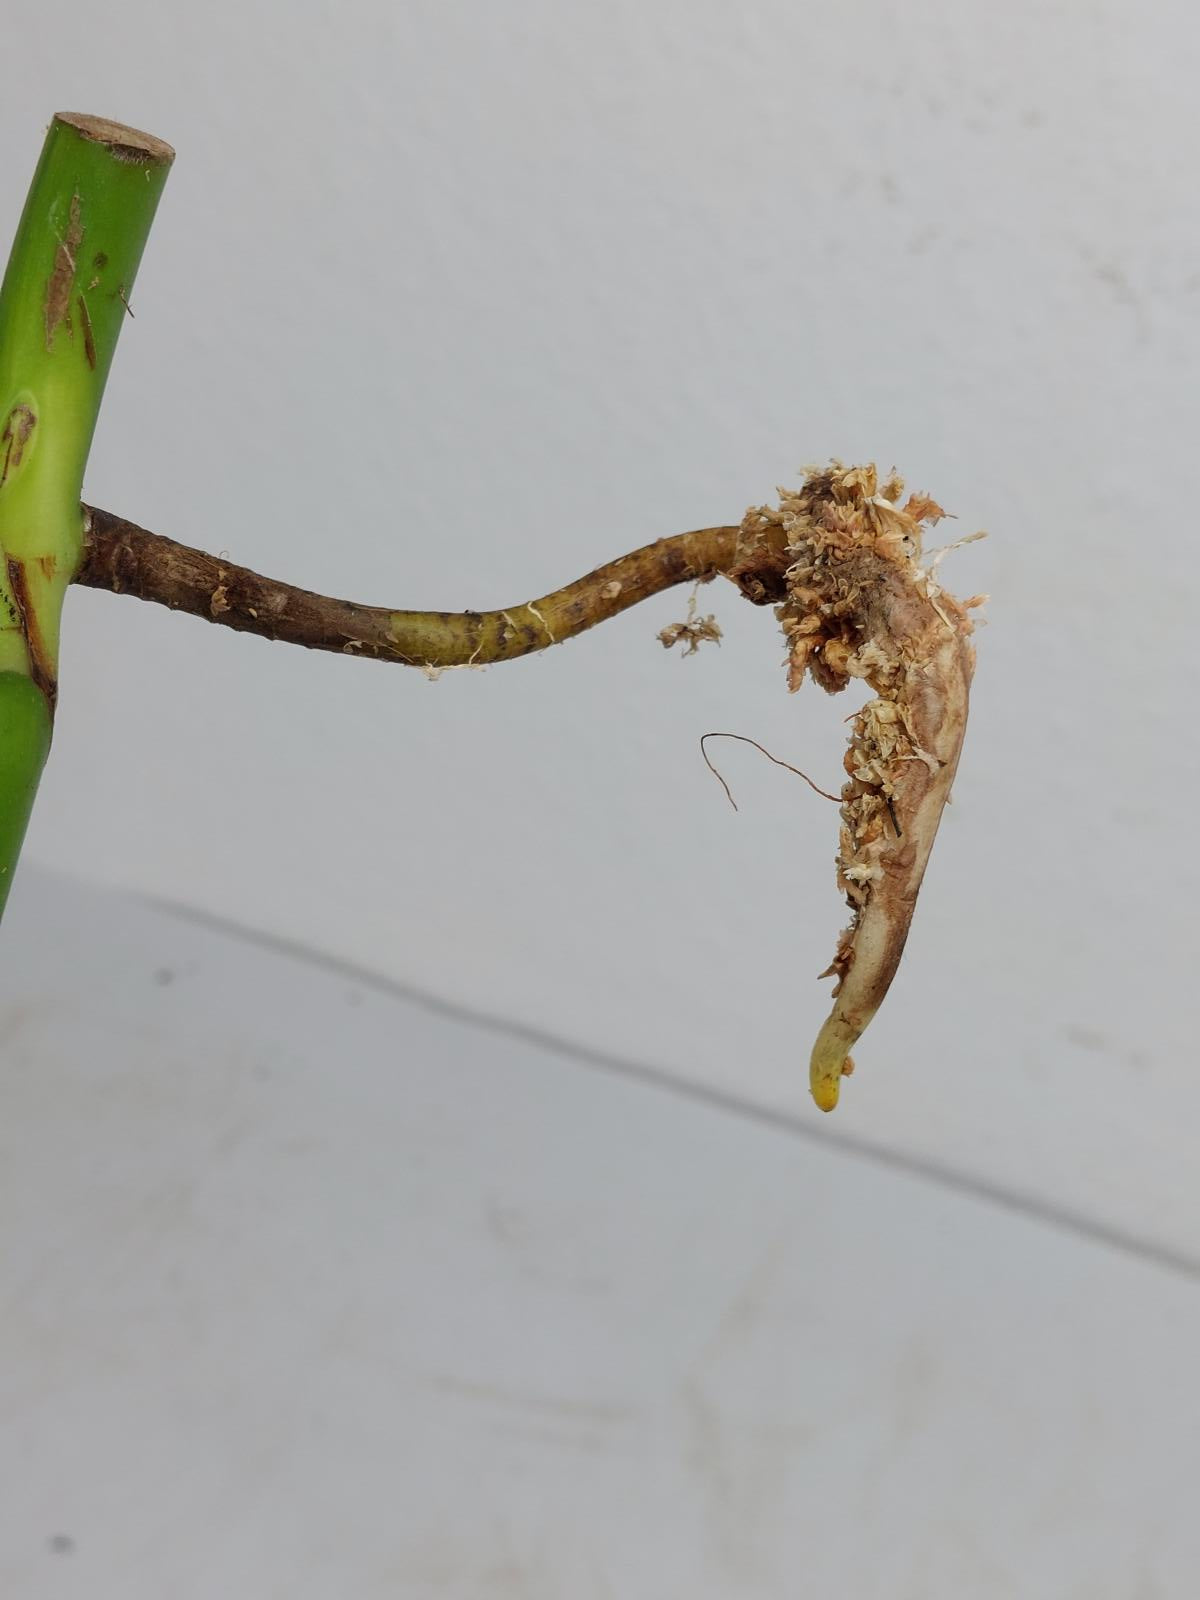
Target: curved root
{"x":857,"y":602}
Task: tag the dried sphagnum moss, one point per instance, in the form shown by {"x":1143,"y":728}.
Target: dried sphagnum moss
{"x":859,"y":603}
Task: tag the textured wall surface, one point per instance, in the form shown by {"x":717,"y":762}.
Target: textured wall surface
{"x":456,"y":1317}
{"x":447,"y":302}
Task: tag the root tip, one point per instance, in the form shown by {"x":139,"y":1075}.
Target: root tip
{"x":825,"y":1092}
{"x":830,"y":1064}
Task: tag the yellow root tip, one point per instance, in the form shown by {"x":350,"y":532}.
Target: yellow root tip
{"x":825,"y":1092}
{"x":830,"y":1064}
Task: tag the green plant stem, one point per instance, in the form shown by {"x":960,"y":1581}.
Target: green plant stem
{"x":63,"y":302}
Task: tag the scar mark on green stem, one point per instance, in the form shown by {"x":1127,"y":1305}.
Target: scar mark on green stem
{"x":62,"y":278}
{"x":18,"y":429}
{"x":40,"y":669}
{"x":89,"y":343}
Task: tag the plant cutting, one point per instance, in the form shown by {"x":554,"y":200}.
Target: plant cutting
{"x":841,"y":561}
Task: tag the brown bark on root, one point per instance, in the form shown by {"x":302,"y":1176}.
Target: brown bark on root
{"x":841,"y":560}
{"x":858,"y":602}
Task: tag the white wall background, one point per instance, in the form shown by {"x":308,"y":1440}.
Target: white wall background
{"x":447,"y":302}
{"x":453,"y":1317}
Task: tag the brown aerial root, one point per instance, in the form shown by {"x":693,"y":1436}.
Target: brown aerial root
{"x":840,"y":558}
{"x":858,"y":602}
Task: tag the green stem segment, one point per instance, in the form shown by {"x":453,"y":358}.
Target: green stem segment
{"x":63,"y":302}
